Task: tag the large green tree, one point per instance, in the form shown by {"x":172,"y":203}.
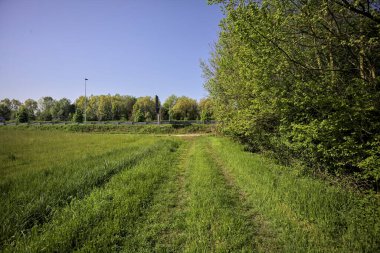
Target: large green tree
{"x":79,"y":106}
{"x":32,"y":107}
{"x":301,"y":78}
{"x":206,"y":111}
{"x":122,"y":107}
{"x":45,"y":105}
{"x":5,"y":110}
{"x":62,"y":110}
{"x":104,"y":108}
{"x":185,"y":108}
{"x":92,"y":108}
{"x":144,"y":109}
{"x":15,"y":104}
{"x":166,"y":109}
{"x":22,"y":115}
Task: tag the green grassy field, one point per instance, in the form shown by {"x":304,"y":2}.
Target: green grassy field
{"x":99,"y":192}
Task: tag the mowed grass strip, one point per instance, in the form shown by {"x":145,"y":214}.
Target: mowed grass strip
{"x":307,"y":215}
{"x":101,"y":221}
{"x":30,"y":199}
{"x":215,"y":221}
{"x":196,"y":211}
{"x":265,"y":239}
{"x":163,"y":228}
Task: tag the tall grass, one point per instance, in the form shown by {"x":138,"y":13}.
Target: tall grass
{"x":30,"y":198}
{"x":308,"y":215}
{"x":133,"y":193}
{"x":103,"y":219}
{"x":27,"y":150}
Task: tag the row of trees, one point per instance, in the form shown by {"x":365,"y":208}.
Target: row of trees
{"x":105,"y":108}
{"x":301,"y":78}
{"x":45,"y":109}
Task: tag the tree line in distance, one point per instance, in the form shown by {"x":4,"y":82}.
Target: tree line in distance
{"x":105,"y":108}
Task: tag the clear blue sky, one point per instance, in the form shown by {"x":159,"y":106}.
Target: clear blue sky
{"x":134,"y":47}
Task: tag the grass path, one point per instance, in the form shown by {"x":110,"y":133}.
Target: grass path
{"x":265,"y":239}
{"x":215,"y":219}
{"x":198,"y":209}
{"x":162,"y":229}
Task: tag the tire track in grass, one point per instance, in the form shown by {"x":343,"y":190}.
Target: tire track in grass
{"x":265,"y":239}
{"x":163,"y":228}
{"x":102,"y":220}
{"x":245,"y":183}
{"x":197,"y":210}
{"x":158,"y":171}
{"x":215,"y":220}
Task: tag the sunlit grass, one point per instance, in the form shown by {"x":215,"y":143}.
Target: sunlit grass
{"x":32,"y":193}
{"x":306,"y":214}
{"x":101,"y":220}
{"x":26,"y":151}
{"x":139,"y":193}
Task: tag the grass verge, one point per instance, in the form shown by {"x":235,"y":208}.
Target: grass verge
{"x":307,"y":215}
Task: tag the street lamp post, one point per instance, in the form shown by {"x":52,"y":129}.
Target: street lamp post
{"x":85,"y":99}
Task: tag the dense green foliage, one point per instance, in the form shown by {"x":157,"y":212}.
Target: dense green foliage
{"x":301,"y":78}
{"x":166,"y":108}
{"x":5,"y":111}
{"x":22,"y":115}
{"x":185,"y":108}
{"x":144,"y":109}
{"x":105,"y":108}
{"x":78,"y":116}
{"x":206,"y":109}
{"x":9,"y":108}
{"x":132,"y":193}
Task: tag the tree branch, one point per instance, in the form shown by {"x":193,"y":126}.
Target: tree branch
{"x":352,"y":8}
